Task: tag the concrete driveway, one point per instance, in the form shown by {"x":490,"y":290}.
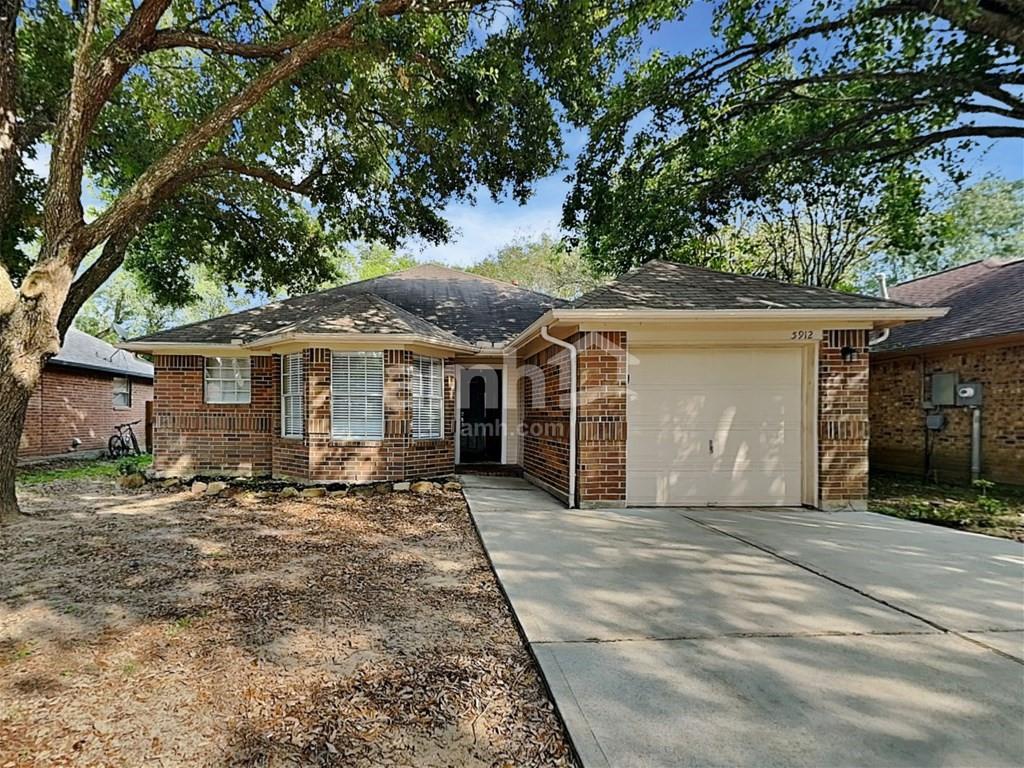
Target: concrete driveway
{"x":714,"y":637}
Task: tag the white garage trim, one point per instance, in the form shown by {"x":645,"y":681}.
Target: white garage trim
{"x":706,"y":375}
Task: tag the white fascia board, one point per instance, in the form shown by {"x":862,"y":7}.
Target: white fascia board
{"x":880,"y":318}
{"x":268,"y":343}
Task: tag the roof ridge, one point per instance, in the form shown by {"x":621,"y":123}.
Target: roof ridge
{"x":953,"y":268}
{"x":678,"y":264}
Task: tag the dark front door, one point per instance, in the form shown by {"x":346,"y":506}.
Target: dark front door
{"x":480,"y":396}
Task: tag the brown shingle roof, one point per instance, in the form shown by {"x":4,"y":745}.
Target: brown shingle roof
{"x":669,"y":285}
{"x":985,"y":299}
{"x":447,"y":305}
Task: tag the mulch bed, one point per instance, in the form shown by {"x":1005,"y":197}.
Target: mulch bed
{"x":159,"y":628}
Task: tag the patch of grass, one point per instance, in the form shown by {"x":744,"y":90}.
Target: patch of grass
{"x":997,"y":510}
{"x":78,"y":469}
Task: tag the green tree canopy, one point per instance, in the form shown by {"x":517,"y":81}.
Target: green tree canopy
{"x":860,"y":93}
{"x":541,"y":264}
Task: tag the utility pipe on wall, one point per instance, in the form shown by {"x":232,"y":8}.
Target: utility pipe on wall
{"x":885,"y":295}
{"x":975,"y":443}
{"x":572,"y":408}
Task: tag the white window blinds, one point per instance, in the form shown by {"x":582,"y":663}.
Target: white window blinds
{"x":427,"y":398}
{"x":228,"y":379}
{"x":357,"y":395}
{"x":292,"y":403}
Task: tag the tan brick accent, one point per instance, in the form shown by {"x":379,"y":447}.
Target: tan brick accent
{"x":898,"y":386}
{"x":843,"y":420}
{"x":73,"y":403}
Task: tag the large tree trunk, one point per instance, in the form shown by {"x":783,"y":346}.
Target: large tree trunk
{"x":29,"y":336}
{"x":14,"y":395}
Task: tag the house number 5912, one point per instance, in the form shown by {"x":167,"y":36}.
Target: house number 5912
{"x":802,"y":335}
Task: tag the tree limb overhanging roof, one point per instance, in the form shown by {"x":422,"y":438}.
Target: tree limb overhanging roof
{"x":986,"y":299}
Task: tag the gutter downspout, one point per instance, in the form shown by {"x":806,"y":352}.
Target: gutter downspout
{"x":885,"y":295}
{"x":572,"y":408}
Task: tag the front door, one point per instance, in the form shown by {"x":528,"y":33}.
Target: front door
{"x":480,"y":413}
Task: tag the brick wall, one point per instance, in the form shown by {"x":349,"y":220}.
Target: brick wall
{"x":843,"y":420}
{"x":898,"y":438}
{"x":544,"y":404}
{"x":75,"y":402}
{"x":191,"y":436}
{"x":601,"y":450}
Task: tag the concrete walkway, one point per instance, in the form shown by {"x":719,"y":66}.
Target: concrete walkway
{"x":709,"y":637}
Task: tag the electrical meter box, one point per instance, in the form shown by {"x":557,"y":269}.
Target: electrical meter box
{"x":968,"y":393}
{"x":944,"y":388}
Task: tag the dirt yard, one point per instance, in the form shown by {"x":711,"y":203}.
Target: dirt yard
{"x":158,"y":628}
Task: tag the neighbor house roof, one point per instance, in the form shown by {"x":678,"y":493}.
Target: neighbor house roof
{"x":433,"y":302}
{"x":668,"y":285}
{"x":80,"y":350}
{"x":984,"y":300}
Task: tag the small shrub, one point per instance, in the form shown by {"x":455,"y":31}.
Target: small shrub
{"x":131,"y":465}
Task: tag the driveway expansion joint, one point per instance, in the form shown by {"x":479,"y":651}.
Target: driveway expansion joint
{"x":743,"y":635}
{"x":768,"y":550}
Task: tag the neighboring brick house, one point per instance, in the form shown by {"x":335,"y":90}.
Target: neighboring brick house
{"x":689,"y":387}
{"x":980,"y":340}
{"x":83,"y":392}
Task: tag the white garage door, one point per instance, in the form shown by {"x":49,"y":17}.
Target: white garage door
{"x":714,"y":426}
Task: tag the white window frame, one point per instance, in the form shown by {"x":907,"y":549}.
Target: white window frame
{"x":126,"y":391}
{"x":227,"y":370}
{"x":343,"y":398}
{"x":427,"y":392}
{"x":293,"y":382}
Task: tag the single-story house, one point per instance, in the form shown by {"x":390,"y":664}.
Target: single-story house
{"x":672,"y":385}
{"x":921,"y":413}
{"x":83,"y":392}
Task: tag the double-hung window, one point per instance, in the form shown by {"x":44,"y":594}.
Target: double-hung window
{"x":228,"y":379}
{"x":357,"y":395}
{"x":292,"y":402}
{"x":427,"y":398}
{"x":122,"y":392}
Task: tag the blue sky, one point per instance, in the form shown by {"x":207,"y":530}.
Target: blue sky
{"x":485,"y":227}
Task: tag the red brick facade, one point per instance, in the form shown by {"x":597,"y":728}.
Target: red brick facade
{"x":899,"y":386}
{"x":193,"y":437}
{"x":74,"y":403}
{"x":843,"y":420}
{"x":602,"y":427}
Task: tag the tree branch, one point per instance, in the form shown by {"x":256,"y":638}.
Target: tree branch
{"x":165,"y":39}
{"x":149,"y":184}
{"x":263,"y":173}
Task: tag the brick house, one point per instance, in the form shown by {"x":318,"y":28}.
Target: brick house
{"x":83,"y":392}
{"x":673,"y":385}
{"x":917,"y":371}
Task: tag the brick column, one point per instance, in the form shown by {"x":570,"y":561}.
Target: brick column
{"x":843,"y":421}
{"x":601,"y":419}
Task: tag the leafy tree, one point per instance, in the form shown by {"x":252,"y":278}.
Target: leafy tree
{"x":124,"y":307}
{"x":543,"y":264}
{"x":819,"y":235}
{"x":373,"y":260}
{"x":983,"y":221}
{"x":839,"y":91}
{"x":252,"y":139}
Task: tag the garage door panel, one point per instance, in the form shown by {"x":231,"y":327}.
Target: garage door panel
{"x":711,"y":426}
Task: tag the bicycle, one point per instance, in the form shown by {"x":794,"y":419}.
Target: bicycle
{"x":119,"y":445}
